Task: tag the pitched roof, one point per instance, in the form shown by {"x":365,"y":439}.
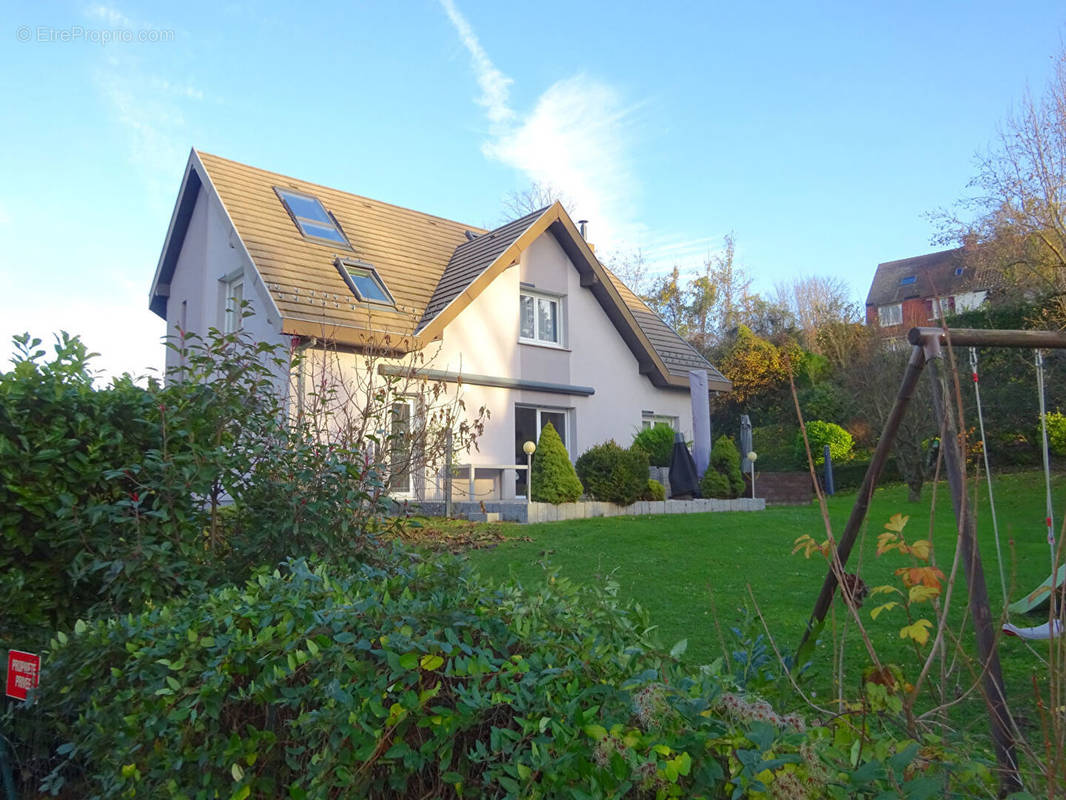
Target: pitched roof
{"x":679,"y":355}
{"x":434,"y":267}
{"x":934,"y":274}
{"x":473,"y":257}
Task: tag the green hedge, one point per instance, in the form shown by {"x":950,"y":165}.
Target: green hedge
{"x":658,"y":442}
{"x":396,"y":683}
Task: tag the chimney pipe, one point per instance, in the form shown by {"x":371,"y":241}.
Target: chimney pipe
{"x":582,"y":225}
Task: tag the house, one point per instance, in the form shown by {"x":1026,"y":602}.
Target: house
{"x":523,"y":319}
{"x":921,"y":290}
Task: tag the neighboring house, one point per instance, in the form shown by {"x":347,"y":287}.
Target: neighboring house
{"x":524,"y":317}
{"x":920,"y":291}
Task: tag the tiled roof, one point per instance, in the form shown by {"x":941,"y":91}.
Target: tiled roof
{"x":431,"y":265}
{"x":473,"y":257}
{"x":934,"y":275}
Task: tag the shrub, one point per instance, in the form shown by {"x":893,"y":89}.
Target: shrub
{"x":775,"y":445}
{"x":821,"y":433}
{"x":612,"y":474}
{"x":553,"y":479}
{"x":655,"y":491}
{"x":715,"y":484}
{"x":725,"y":458}
{"x":658,"y":442}
{"x":1056,"y":432}
{"x":115,"y":497}
{"x":395,"y":683}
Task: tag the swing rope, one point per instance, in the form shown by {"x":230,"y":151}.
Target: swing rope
{"x":988,"y":472}
{"x":1050,"y":518}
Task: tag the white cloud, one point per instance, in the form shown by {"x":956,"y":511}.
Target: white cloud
{"x":575,"y":139}
{"x":110,"y":15}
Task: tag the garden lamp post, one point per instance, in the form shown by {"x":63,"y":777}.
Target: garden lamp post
{"x":529,"y":448}
{"x":751,"y":457}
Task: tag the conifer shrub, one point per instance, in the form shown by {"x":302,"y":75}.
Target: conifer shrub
{"x":655,"y":491}
{"x":715,"y":484}
{"x":553,"y":479}
{"x":658,"y":442}
{"x":725,"y":459}
{"x":612,"y":474}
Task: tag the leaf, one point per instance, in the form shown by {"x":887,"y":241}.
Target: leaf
{"x":919,"y":631}
{"x":597,"y":732}
{"x":409,"y":660}
{"x":919,"y":594}
{"x":236,"y":772}
{"x":886,"y":607}
{"x":885,"y":588}
{"x":921,"y":549}
{"x":897,"y":522}
{"x":430,"y":662}
{"x":679,"y":649}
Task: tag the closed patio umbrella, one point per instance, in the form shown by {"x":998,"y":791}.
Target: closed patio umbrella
{"x":745,"y":443}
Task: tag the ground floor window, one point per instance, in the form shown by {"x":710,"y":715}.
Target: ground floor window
{"x":528,"y":423}
{"x":400,"y":450}
{"x":650,"y":420}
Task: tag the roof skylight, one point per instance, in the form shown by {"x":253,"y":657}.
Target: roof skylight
{"x":908,"y":280}
{"x":311,"y":217}
{"x":364,"y":281}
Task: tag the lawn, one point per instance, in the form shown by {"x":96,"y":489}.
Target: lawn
{"x":693,"y":572}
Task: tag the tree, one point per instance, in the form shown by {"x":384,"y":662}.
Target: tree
{"x":827,"y":317}
{"x":1019,"y":231}
{"x":533,"y":198}
{"x":755,"y":365}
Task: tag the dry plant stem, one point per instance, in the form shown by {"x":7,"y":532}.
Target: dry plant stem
{"x":834,"y":562}
{"x":717,"y":625}
{"x":780,"y":658}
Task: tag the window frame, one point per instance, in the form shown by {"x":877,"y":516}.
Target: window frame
{"x":281,"y":191}
{"x":345,"y":265}
{"x":233,"y":313}
{"x":560,"y":318}
{"x":651,"y":420}
{"x":412,"y":410}
{"x":898,"y":307}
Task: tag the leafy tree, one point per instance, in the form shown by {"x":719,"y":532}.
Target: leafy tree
{"x":754,"y":365}
{"x":553,"y":479}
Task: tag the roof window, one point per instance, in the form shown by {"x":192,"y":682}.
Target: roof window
{"x":364,"y":282}
{"x":310,"y":217}
{"x":958,"y":272}
{"x":908,"y":280}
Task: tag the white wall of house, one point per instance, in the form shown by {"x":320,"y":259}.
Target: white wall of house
{"x":211,"y":259}
{"x":484,"y":340}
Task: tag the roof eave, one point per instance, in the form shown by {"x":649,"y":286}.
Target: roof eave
{"x":175,"y":238}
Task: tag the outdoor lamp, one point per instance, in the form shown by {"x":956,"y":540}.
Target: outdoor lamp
{"x":528,"y":449}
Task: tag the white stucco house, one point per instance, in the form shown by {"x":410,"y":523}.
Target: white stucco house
{"x":523,"y":317}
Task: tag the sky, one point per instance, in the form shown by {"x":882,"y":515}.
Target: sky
{"x":821,"y":134}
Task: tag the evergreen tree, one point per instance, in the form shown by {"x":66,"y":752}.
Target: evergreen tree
{"x":553,"y":479}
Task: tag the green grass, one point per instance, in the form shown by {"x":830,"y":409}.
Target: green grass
{"x":692,"y":572}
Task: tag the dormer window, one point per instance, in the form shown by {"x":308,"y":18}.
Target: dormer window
{"x":364,"y":282}
{"x":311,"y":217}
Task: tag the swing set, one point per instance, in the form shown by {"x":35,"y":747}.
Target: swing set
{"x":928,"y":351}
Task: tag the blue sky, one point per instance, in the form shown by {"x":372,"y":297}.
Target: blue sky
{"x":820,"y":133}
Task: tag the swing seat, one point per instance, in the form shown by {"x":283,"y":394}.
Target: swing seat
{"x":1040,"y":595}
{"x":1045,"y":631}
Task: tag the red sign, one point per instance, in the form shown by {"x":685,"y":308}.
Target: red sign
{"x":23,"y":670}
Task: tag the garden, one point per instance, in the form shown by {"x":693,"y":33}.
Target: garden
{"x":227,"y":606}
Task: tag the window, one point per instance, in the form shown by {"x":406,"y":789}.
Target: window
{"x":540,"y":319}
{"x":959,"y":271}
{"x":311,"y":218}
{"x":400,"y":450}
{"x":364,"y":282}
{"x":650,"y":420}
{"x":968,"y":301}
{"x":939,"y":306}
{"x":890,"y":315}
{"x":233,"y":302}
{"x":528,"y":423}
{"x":908,"y":280}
